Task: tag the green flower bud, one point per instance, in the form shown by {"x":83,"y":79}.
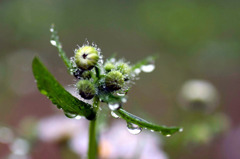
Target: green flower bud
{"x":124,"y":68}
{"x":86,"y":57}
{"x":86,"y":89}
{"x":114,"y":80}
{"x":109,"y":66}
{"x":86,"y":75}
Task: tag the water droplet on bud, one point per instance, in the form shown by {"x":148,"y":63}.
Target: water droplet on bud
{"x":114,"y":106}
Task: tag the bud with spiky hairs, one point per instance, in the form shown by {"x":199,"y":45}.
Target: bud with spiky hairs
{"x":109,"y":66}
{"x":86,"y":89}
{"x":114,"y":80}
{"x":86,"y":57}
{"x":124,"y":68}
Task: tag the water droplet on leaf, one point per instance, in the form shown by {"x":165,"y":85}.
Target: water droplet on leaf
{"x":133,"y":128}
{"x":53,"y":42}
{"x":114,"y":115}
{"x":70,"y":115}
{"x":148,"y":68}
{"x":78,"y":117}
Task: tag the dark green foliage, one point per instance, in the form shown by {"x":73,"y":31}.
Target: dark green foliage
{"x":50,"y":87}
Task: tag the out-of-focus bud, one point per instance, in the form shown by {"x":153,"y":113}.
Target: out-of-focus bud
{"x":109,"y":66}
{"x":86,"y":89}
{"x":86,"y":57}
{"x":124,"y":68}
{"x":198,"y":95}
{"x":114,"y":80}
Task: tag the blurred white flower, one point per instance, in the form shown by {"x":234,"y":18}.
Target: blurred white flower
{"x":117,"y":142}
{"x":59,"y":127}
{"x":198,"y":95}
{"x":6,"y":135}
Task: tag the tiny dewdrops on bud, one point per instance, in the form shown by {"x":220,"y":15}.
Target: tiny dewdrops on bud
{"x":109,"y":66}
{"x":198,"y":95}
{"x":86,"y":57}
{"x":86,"y":89}
{"x":114,"y":80}
{"x":86,"y":75}
{"x":124,"y":68}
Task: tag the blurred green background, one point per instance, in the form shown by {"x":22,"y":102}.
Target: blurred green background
{"x":193,"y":39}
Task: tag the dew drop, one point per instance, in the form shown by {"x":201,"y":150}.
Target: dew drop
{"x":152,"y":130}
{"x":51,"y":29}
{"x":70,"y":115}
{"x":114,"y":115}
{"x":137,"y":71}
{"x":121,"y":94}
{"x":78,"y":117}
{"x":124,"y":100}
{"x":133,"y":128}
{"x":180,"y":130}
{"x":114,"y":106}
{"x":53,"y":42}
{"x":148,"y":68}
{"x":168,"y":135}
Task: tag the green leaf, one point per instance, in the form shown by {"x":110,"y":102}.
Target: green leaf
{"x":55,"y":42}
{"x":50,"y":87}
{"x":146,"y":61}
{"x":130,"y":118}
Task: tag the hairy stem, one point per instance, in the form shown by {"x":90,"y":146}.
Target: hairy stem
{"x":93,"y":143}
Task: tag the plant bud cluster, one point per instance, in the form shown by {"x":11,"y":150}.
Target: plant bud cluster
{"x":114,"y":76}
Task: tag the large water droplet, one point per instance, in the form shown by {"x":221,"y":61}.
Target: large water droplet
{"x":114,"y":106}
{"x":70,"y":115}
{"x":168,"y":135}
{"x":114,"y":115}
{"x":53,"y":42}
{"x":148,"y":68}
{"x":133,"y":128}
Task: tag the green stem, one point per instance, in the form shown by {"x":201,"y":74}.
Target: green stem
{"x":93,"y":143}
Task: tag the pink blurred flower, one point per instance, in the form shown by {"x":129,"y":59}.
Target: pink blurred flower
{"x":58,"y":127}
{"x":117,"y":142}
